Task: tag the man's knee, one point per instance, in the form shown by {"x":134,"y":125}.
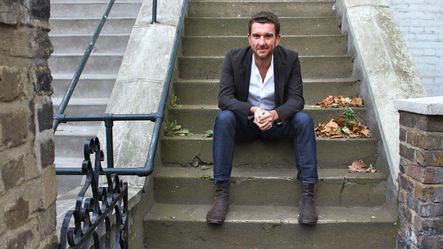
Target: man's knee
{"x":302,"y":119}
{"x":225,"y":118}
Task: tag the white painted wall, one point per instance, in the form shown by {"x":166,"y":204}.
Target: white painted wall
{"x":421,"y":24}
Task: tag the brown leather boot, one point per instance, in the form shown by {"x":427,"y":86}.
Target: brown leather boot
{"x":307,"y":214}
{"x":221,"y":202}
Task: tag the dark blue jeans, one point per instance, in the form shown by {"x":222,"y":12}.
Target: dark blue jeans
{"x":300,"y":129}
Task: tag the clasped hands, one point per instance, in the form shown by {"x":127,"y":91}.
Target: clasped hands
{"x":263,"y":118}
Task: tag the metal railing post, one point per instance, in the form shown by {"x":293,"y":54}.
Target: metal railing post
{"x":109,"y":123}
{"x":154,"y":11}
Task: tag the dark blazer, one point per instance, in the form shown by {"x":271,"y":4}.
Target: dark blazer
{"x":235,"y":79}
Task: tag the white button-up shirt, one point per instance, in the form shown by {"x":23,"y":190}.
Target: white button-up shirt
{"x":261,"y":93}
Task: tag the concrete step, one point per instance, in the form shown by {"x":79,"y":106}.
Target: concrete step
{"x":209,"y":67}
{"x":78,"y":106}
{"x":205,"y":92}
{"x":93,"y":1}
{"x":107,"y":43}
{"x":248,"y":8}
{"x":331,"y":153}
{"x":94,"y":9}
{"x":229,"y":26}
{"x":183,"y":226}
{"x":68,"y":25}
{"x":98,"y":63}
{"x":70,"y":139}
{"x":68,"y":162}
{"x":66,"y":183}
{"x":277,"y":187}
{"x":304,"y":45}
{"x":185,"y":115}
{"x":89,"y":85}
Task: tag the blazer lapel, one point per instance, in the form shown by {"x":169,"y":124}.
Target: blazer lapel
{"x":245,"y":74}
{"x":279,"y":79}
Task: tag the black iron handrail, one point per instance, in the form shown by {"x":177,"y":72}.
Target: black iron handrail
{"x":81,"y":66}
{"x":85,"y":57}
{"x":157,"y":117}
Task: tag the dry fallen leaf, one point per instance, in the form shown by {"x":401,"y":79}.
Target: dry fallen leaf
{"x":359,"y":166}
{"x":340,"y":101}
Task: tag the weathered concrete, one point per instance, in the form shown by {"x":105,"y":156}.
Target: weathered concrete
{"x":303,"y":44}
{"x":264,"y":194}
{"x":140,"y":81}
{"x":204,"y":26}
{"x":194,"y":92}
{"x":185,"y":115}
{"x":426,"y":106}
{"x":384,"y":64}
{"x":269,"y":187}
{"x":261,"y":227}
{"x":331,"y":153}
{"x":323,"y":66}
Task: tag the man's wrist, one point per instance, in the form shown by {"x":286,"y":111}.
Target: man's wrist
{"x":253,"y":109}
{"x":274,"y":115}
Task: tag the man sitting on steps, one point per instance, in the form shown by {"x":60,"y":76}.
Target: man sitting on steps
{"x":261,"y":96}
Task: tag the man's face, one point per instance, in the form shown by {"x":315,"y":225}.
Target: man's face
{"x":263,"y":40}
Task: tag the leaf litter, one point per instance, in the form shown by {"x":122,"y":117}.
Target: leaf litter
{"x":340,"y":101}
{"x":359,"y":166}
{"x":347,"y":125}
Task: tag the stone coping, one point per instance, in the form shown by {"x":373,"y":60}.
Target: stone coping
{"x":426,"y":106}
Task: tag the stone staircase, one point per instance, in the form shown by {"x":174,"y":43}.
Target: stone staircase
{"x":263,"y":211}
{"x":72,"y":24}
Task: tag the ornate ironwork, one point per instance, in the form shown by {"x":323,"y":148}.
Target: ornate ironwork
{"x":90,"y":224}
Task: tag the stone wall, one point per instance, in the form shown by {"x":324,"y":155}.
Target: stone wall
{"x":421,"y":25}
{"x":27,"y":173}
{"x":421,"y":173}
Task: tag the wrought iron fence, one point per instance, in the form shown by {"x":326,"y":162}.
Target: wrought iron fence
{"x":102,"y":210}
{"x":93,"y":216}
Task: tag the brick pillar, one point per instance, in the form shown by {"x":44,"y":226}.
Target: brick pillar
{"x":421,"y":173}
{"x":27,"y":172}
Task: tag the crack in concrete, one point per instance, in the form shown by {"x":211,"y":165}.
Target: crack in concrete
{"x":341,"y":189}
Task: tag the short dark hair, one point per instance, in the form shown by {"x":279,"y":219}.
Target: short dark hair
{"x":265,"y":17}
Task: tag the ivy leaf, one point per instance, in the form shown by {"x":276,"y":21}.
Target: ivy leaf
{"x":209,"y":133}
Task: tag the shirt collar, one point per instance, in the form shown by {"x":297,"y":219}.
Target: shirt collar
{"x":269,"y":73}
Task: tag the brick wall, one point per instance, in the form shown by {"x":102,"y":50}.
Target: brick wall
{"x":421,"y":23}
{"x":27,"y":173}
{"x":421,"y":177}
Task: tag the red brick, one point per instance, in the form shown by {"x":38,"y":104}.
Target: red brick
{"x":423,"y":209}
{"x":407,"y":151}
{"x":422,"y":122}
{"x":402,"y":135}
{"x":431,"y":175}
{"x":432,"y":226}
{"x":429,"y":157}
{"x":430,"y":241}
{"x":429,"y":192}
{"x":424,"y":140}
{"x":406,"y":182}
